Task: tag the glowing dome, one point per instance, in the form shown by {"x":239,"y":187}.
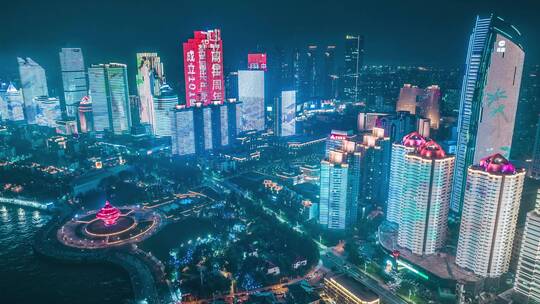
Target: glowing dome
{"x":108,"y":214}
{"x":496,"y":163}
{"x":431,"y":149}
{"x":413,"y":139}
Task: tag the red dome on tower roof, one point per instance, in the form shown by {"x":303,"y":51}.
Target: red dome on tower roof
{"x":431,"y":149}
{"x":413,"y":139}
{"x":496,"y":163}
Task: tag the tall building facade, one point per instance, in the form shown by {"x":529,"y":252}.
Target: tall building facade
{"x":285,"y":110}
{"x":534,"y":169}
{"x":489,"y":217}
{"x":162,"y":108}
{"x":329,"y":75}
{"x":203,"y":68}
{"x":197,"y":130}
{"x":14,"y":104}
{"x":397,"y":126}
{"x":339,"y":189}
{"x":33,"y":84}
{"x":73,"y":78}
{"x":423,"y":102}
{"x":251,"y":93}
{"x":397,"y":179}
{"x":375,"y":168}
{"x":47,"y":111}
{"x":110,"y":98}
{"x":527,"y":283}
{"x":85,"y":115}
{"x":354,"y":60}
{"x":489,"y":97}
{"x":426,"y":199}
{"x":150,"y":78}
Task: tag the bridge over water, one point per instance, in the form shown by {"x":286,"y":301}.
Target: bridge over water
{"x":26,"y":203}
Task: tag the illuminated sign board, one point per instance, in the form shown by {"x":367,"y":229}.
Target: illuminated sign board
{"x":257,"y":61}
{"x":203,"y":68}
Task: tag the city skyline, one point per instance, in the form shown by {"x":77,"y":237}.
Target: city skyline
{"x":217,"y":154}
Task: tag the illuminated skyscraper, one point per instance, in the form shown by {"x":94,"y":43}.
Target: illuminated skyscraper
{"x":286,"y":114}
{"x":397,"y":181}
{"x":183,"y":131}
{"x":489,"y":97}
{"x":425,"y":199}
{"x":312,"y":78}
{"x":251,"y":94}
{"x":48,"y":111}
{"x":203,"y":68}
{"x":150,"y":79}
{"x":489,"y":216}
{"x":375,"y":167}
{"x":110,"y":99}
{"x":329,"y":76}
{"x":396,"y":126}
{"x":86,"y":120}
{"x":534,"y":170}
{"x":14,"y":104}
{"x":340,"y":184}
{"x":354,"y":59}
{"x":164,"y":103}
{"x":73,"y":78}
{"x":33,"y":84}
{"x":527,"y":283}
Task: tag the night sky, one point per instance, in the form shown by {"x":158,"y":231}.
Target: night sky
{"x":397,"y":32}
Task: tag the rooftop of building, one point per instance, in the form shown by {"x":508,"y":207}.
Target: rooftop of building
{"x":413,"y":139}
{"x":496,"y":164}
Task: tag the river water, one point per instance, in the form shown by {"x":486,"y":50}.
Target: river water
{"x":27,"y":278}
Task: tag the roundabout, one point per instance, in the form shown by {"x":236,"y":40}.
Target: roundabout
{"x":109,"y":226}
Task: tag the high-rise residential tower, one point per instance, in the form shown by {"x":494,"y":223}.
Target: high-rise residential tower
{"x":489,"y":97}
{"x":110,"y":98}
{"x":397,"y":179}
{"x":527,"y":283}
{"x":340,"y":183}
{"x":73,"y":78}
{"x":425,"y":199}
{"x":150,"y":78}
{"x":33,"y":84}
{"x":489,"y":216}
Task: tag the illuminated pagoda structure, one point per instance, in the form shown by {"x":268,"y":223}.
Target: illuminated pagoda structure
{"x":108,"y":214}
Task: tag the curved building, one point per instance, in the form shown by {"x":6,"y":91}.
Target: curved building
{"x":489,"y":216}
{"x":489,"y":97}
{"x":162,"y":110}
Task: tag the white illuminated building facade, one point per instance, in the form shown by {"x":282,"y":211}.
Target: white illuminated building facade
{"x":150,"y":79}
{"x":488,"y":221}
{"x":425,"y":199}
{"x":48,"y":111}
{"x":286,"y":114}
{"x":14,"y":104}
{"x":397,"y":173}
{"x":251,"y":94}
{"x":527,"y":283}
{"x":33,"y":84}
{"x":73,"y":78}
{"x":162,"y":108}
{"x":110,"y":99}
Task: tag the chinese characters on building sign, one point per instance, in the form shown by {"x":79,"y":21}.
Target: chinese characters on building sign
{"x":203,"y":68}
{"x":257,"y":62}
